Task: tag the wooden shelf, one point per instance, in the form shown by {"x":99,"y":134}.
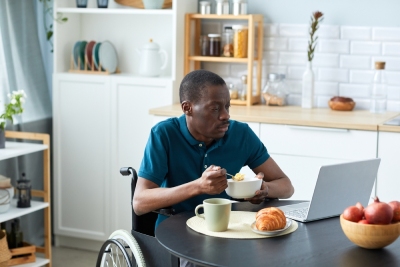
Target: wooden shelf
{"x":16,"y":149}
{"x":193,"y":62}
{"x":117,"y":11}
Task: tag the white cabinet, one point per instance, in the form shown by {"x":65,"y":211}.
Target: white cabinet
{"x":101,"y":122}
{"x":16,"y":149}
{"x":300,"y":151}
{"x":389,"y":171}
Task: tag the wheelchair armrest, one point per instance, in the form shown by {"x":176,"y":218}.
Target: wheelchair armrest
{"x":169,"y":211}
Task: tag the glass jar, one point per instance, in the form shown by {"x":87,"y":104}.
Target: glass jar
{"x":240,"y":33}
{"x":243,"y":91}
{"x":239,"y":7}
{"x":214,"y":44}
{"x":205,"y":7}
{"x":233,"y":92}
{"x":204,"y":45}
{"x":227,"y":42}
{"x":222,"y":7}
{"x":274,"y":92}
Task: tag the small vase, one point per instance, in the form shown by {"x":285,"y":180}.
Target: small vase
{"x":307,"y":94}
{"x":2,"y":139}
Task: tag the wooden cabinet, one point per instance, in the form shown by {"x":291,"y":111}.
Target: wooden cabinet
{"x":36,"y":143}
{"x":389,"y":171}
{"x":300,"y":151}
{"x":254,"y":54}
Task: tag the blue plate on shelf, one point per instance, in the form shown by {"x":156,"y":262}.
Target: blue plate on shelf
{"x":82,"y":49}
{"x":108,"y":57}
{"x":95,"y":56}
{"x":75,"y":53}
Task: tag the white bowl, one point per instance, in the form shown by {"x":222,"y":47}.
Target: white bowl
{"x":4,"y":207}
{"x":243,"y":189}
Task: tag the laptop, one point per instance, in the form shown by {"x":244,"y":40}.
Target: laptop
{"x":338,"y":187}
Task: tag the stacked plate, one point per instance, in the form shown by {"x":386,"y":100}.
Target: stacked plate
{"x":97,"y":55}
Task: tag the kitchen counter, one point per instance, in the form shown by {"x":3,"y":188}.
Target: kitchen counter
{"x":295,"y":115}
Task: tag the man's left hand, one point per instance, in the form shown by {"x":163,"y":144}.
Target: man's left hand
{"x":261,"y":194}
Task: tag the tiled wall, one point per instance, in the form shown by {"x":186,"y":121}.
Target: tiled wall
{"x":343,"y":63}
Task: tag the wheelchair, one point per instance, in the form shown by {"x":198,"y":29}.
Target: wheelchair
{"x":139,"y":247}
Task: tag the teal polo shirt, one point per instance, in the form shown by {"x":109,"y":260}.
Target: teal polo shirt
{"x":173,"y":157}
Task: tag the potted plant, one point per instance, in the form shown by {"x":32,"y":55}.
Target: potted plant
{"x":17,"y":98}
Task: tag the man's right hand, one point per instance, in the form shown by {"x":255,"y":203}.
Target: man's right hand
{"x":213,"y":180}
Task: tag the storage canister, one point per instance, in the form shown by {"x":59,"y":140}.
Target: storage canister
{"x":205,"y":7}
{"x":214,"y":44}
{"x":240,"y":33}
{"x":239,"y":7}
{"x":204,"y":45}
{"x":227,"y":42}
{"x":222,"y":7}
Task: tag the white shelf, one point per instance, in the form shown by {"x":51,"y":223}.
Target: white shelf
{"x":39,"y":262}
{"x":16,"y":149}
{"x":15,"y":212}
{"x":115,"y":11}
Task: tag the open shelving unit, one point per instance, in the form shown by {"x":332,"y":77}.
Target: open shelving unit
{"x":192,"y":51}
{"x":16,"y":149}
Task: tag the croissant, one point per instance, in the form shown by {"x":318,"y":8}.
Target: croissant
{"x":270,"y":219}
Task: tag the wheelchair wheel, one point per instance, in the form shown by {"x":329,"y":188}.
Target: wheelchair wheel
{"x":120,"y":250}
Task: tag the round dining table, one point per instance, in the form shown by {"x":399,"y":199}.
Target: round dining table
{"x":317,"y":243}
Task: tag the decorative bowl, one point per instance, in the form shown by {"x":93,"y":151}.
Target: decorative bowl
{"x":243,"y":189}
{"x":370,"y":236}
{"x":341,"y":103}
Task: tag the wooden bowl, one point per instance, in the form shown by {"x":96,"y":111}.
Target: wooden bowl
{"x":370,"y":236}
{"x":342,"y":106}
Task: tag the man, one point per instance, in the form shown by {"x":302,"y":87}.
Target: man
{"x":186,"y":158}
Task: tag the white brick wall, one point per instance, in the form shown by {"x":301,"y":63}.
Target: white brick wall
{"x":343,"y":63}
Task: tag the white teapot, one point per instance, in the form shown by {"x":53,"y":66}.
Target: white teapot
{"x":151,"y":62}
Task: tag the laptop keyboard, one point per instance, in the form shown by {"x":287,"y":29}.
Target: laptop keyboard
{"x":298,"y":213}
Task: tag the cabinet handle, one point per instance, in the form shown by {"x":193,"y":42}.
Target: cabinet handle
{"x":320,"y":129}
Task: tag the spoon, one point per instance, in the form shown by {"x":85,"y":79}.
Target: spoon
{"x":230,"y":175}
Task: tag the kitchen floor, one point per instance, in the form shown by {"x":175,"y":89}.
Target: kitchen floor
{"x":62,"y":256}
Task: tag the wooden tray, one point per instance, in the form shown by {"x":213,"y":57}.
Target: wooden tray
{"x":22,"y":255}
{"x":139,"y":3}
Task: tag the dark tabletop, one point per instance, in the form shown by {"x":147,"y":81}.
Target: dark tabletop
{"x":318,"y":243}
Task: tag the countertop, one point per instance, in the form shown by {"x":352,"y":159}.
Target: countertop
{"x":295,"y":115}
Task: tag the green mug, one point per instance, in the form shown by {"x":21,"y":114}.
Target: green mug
{"x":216,"y":213}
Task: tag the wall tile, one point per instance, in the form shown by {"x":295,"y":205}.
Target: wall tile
{"x":294,"y":87}
{"x":354,"y":90}
{"x":271,"y":58}
{"x":362,"y":103}
{"x":361,"y":76}
{"x":393,"y":93}
{"x":295,"y":73}
{"x":393,"y":77}
{"x":391,"y":49}
{"x":334,"y":46}
{"x":322,"y":101}
{"x":393,"y":106}
{"x":355,"y":33}
{"x":293,"y":30}
{"x":333,"y":75}
{"x":298,"y":44}
{"x":326,"y":88}
{"x":271,"y":30}
{"x":219,"y":68}
{"x":355,"y":62}
{"x":211,"y":27}
{"x":365,"y":48}
{"x":328,"y":32}
{"x":294,"y":100}
{"x":325,"y":60}
{"x":237,"y":70}
{"x":275,"y":69}
{"x":392,"y":63}
{"x":386,"y":34}
{"x":277,"y":44}
{"x":289,"y":58}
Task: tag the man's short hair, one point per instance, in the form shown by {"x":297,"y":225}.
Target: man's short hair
{"x":195,"y":83}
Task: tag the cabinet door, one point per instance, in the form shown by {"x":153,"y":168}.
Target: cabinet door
{"x":81,"y":156}
{"x":389,"y":171}
{"x":132,"y":99}
{"x":301,"y":151}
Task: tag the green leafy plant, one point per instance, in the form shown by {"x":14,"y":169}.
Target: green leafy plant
{"x":316,"y":18}
{"x":48,"y":12}
{"x":17,"y":98}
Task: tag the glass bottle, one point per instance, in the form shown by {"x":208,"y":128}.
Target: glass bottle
{"x":227,"y":42}
{"x":240,"y":33}
{"x":15,"y":237}
{"x":378,"y":90}
{"x":243,"y":91}
{"x":214,"y":44}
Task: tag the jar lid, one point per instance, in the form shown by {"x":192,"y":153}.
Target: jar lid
{"x":380,"y":65}
{"x":239,"y":27}
{"x":214,"y":35}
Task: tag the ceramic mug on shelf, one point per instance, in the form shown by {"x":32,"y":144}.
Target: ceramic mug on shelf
{"x":217,"y":212}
